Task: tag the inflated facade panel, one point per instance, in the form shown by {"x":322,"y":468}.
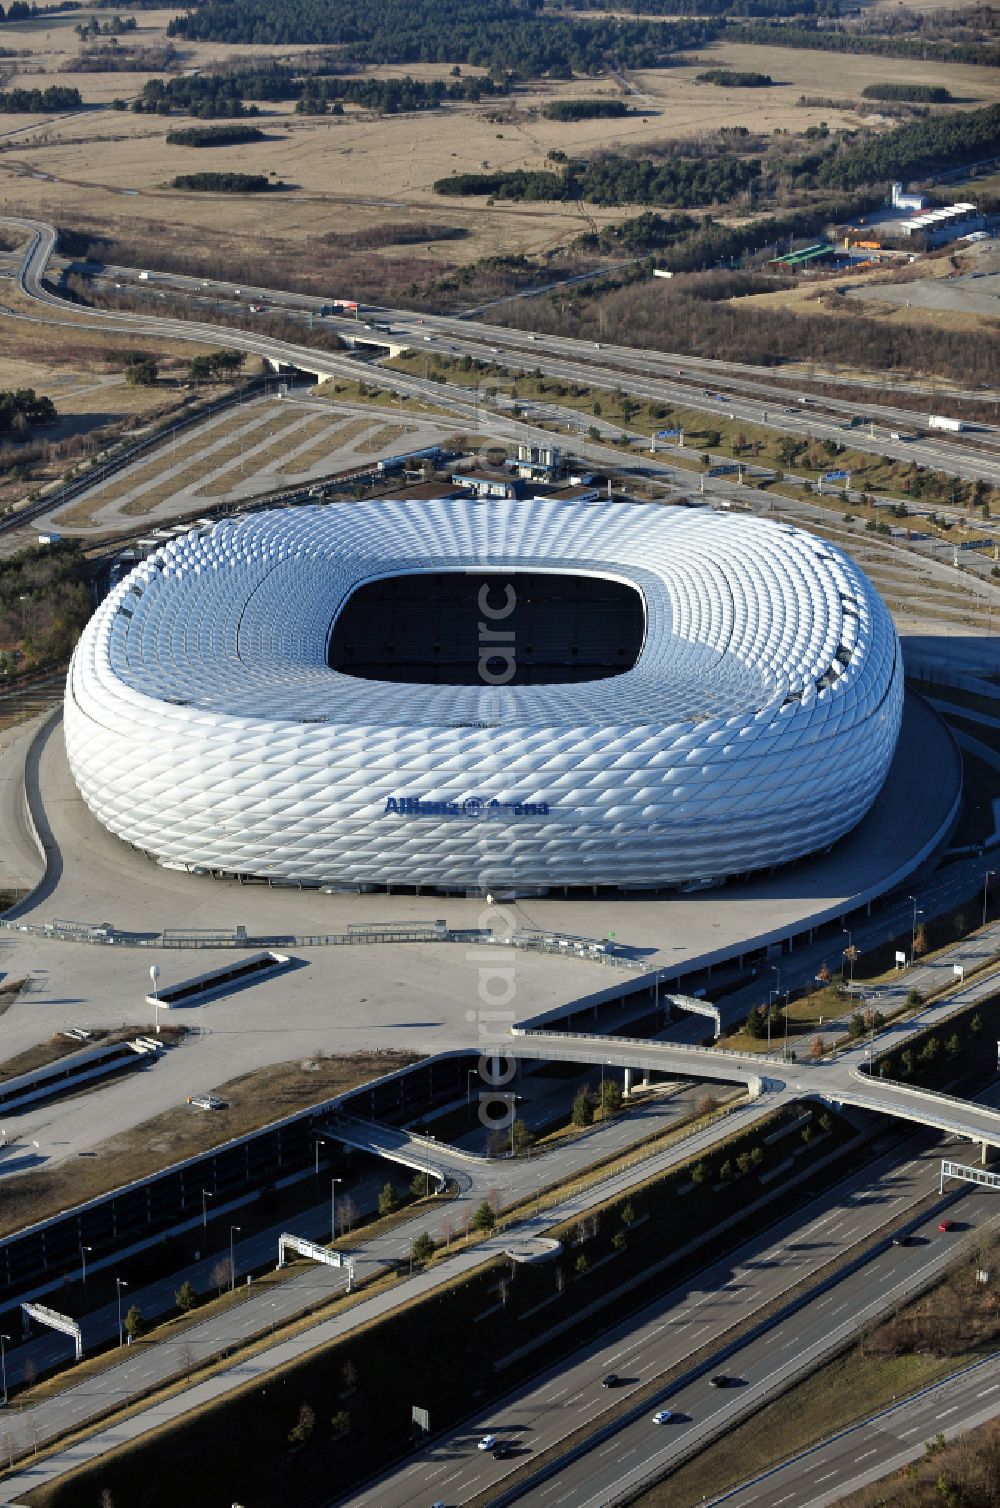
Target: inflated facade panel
{"x":205,"y":726}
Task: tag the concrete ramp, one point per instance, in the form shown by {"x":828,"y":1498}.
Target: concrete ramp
{"x":441,"y":1162}
{"x":925,"y":1107}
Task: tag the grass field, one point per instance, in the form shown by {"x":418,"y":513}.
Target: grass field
{"x":357,"y":171}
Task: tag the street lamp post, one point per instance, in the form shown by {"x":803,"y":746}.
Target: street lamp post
{"x":913,"y":931}
{"x":154,"y":974}
{"x":770,"y":1002}
{"x":333,"y":1207}
{"x":470,"y":1074}
{"x":986,"y":890}
{"x":205,"y":1194}
{"x":3,"y":1365}
{"x":120,"y":1283}
{"x":232,"y":1258}
{"x":320,"y":1142}
{"x":83,"y":1262}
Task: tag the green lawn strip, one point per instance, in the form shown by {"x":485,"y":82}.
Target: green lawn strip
{"x":847,"y":1389}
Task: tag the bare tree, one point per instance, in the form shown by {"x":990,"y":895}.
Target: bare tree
{"x":221,"y":1274}
{"x":346,"y":1213}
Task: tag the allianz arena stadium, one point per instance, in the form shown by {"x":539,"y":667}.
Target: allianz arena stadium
{"x":466,"y":695}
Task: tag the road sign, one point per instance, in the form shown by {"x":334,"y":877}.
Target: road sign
{"x":667,"y":434}
{"x":834,"y":476}
{"x":900,"y":960}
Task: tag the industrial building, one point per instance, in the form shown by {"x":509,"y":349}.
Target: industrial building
{"x":938,"y":226}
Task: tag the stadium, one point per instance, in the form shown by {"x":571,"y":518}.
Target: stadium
{"x":463,"y":696}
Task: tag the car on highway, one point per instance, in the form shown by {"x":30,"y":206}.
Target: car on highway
{"x":502,"y":1451}
{"x":946,"y":1225}
{"x":720,"y":1380}
{"x":611,"y":1381}
{"x":487,"y":1442}
{"x":663,"y":1416}
{"x":904,"y":1239}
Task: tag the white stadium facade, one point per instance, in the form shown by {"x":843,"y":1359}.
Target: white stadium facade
{"x":464,"y":695}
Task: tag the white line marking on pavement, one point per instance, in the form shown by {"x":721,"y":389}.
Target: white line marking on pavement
{"x":988,"y":1390}
{"x":953,"y":1410}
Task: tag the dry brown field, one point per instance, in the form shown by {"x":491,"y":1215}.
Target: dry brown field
{"x":75,"y":367}
{"x":356,"y":171}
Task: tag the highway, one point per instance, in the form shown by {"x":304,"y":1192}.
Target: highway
{"x":508,"y":1182}
{"x":838,"y":1079}
{"x":752,"y":393}
{"x":171,"y":1357}
{"x":885,"y":1442}
{"x":75,"y":1405}
{"x":626,"y":1453}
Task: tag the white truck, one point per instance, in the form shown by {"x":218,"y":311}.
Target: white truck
{"x":940,"y":421}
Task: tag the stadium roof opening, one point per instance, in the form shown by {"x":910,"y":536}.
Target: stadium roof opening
{"x":449,"y":628}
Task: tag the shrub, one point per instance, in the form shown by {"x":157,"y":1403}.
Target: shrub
{"x":583,"y":1108}
{"x":422,"y":1248}
{"x":484,"y":1219}
{"x":186,"y":1298}
{"x":388,"y":1200}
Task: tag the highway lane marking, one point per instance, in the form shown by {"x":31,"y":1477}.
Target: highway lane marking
{"x":953,"y":1410}
{"x":827,"y":1477}
{"x":868,"y":1453}
{"x":988,"y":1390}
{"x":778,"y":1501}
{"x":904,"y":1432}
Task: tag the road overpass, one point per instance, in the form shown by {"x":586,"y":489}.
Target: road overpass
{"x":842,"y":1079}
{"x":755,"y":397}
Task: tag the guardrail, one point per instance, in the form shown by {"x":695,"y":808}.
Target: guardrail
{"x":645,"y":1044}
{"x":104,"y":934}
{"x":928,"y":1096}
